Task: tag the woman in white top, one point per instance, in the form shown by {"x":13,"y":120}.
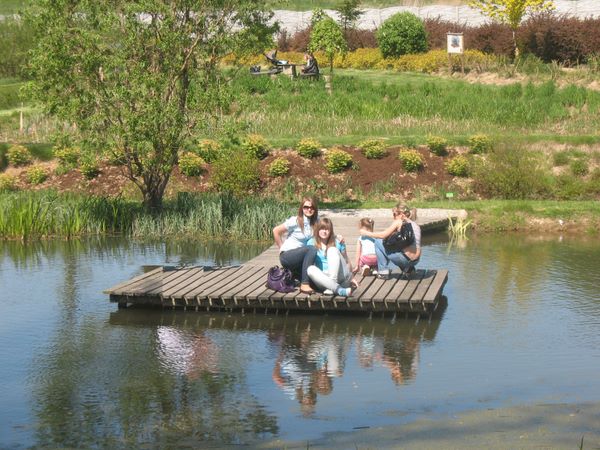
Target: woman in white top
{"x":406,"y":258}
{"x":294,"y":254}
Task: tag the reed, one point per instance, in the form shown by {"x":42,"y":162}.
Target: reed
{"x":458,"y":227}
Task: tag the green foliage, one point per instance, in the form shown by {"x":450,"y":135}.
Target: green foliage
{"x":401,"y":34}
{"x":209,"y":150}
{"x":561,"y":158}
{"x":337,"y":160}
{"x":89,"y":169}
{"x":9,"y":94}
{"x":97,"y":65}
{"x":349,"y":12}
{"x":236,"y":172}
{"x":116,"y":157}
{"x":479,"y":143}
{"x":579,"y":167}
{"x":317,"y":15}
{"x":16,"y":39}
{"x":411,"y":160}
{"x":68,"y":157}
{"x":191,"y":165}
{"x":36,"y":175}
{"x":308,"y":148}
{"x":327,"y":36}
{"x":458,"y":166}
{"x":512,"y":172}
{"x":18,"y":155}
{"x":279,"y":167}
{"x":7,"y":182}
{"x":256,"y":146}
{"x":437,"y":145}
{"x":373,"y":148}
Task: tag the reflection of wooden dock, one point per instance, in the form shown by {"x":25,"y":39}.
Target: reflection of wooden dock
{"x":243,"y":287}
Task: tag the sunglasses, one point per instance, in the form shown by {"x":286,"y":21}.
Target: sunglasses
{"x":311,"y":208}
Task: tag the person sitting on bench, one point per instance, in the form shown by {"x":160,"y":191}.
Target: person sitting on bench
{"x":311,"y":67}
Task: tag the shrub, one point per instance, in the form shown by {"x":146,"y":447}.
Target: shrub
{"x":458,"y":166}
{"x":308,"y":148}
{"x":256,"y":146}
{"x":411,"y":160}
{"x":401,"y":34}
{"x":18,"y":155}
{"x":236,"y":172}
{"x":337,"y":160}
{"x":191,"y":165}
{"x":7,"y":182}
{"x":89,"y":169}
{"x":437,"y":145}
{"x":373,"y":149}
{"x":67,"y":156}
{"x":512,"y":173}
{"x":279,"y":167}
{"x":116,"y":157}
{"x":480,"y":143}
{"x":579,"y":167}
{"x":209,"y":150}
{"x":36,"y":175}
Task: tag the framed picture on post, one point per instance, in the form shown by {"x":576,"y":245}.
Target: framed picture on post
{"x":455,"y":43}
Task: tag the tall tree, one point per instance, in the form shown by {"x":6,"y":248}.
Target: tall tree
{"x":511,"y":12}
{"x":140,"y":77}
{"x":350,"y":12}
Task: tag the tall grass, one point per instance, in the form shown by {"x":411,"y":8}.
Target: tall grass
{"x":402,"y":105}
{"x":31,"y":215}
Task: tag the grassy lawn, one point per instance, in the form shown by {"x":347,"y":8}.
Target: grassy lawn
{"x":405,"y":108}
{"x":12,"y":6}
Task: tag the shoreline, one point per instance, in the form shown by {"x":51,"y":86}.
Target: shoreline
{"x":533,"y":426}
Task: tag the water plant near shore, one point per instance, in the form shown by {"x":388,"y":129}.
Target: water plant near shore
{"x":39,"y":214}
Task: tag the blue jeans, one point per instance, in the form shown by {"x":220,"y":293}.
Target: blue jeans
{"x":385,"y":260}
{"x":298,"y":260}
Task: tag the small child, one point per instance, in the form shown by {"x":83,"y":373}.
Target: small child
{"x":366,"y":259}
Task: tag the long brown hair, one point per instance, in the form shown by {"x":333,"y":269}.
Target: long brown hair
{"x":313,"y":218}
{"x":324,"y":224}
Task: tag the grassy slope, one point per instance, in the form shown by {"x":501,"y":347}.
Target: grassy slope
{"x":307,"y":5}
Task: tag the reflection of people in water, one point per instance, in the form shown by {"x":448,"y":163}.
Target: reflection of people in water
{"x":305,"y":369}
{"x":399,"y":356}
{"x":186,"y":353}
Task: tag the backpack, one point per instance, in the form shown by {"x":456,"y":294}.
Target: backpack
{"x":280,"y":279}
{"x":400,"y":239}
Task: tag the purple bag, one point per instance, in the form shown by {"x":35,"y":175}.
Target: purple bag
{"x":280,"y":279}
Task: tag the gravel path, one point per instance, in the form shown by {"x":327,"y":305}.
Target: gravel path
{"x":297,"y":20}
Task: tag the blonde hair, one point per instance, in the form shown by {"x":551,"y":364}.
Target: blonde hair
{"x":367,"y":223}
{"x":401,"y":208}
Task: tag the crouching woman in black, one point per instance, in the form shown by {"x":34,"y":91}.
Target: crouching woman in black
{"x":294,"y":254}
{"x":387,"y":256}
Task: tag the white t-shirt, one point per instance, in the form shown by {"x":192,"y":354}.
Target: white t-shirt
{"x":367,"y":245}
{"x":297,"y":237}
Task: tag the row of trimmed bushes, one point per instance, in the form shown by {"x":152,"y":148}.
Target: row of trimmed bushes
{"x":550,"y":37}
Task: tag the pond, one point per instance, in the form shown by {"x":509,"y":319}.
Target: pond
{"x":521,"y":327}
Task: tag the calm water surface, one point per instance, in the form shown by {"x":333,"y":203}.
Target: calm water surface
{"x":522,"y":326}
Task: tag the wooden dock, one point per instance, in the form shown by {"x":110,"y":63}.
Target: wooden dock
{"x":243,"y":287}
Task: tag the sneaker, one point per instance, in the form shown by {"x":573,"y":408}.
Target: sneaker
{"x":383,"y":275}
{"x":374,"y":272}
{"x":344,"y":292}
{"x":327,"y":292}
{"x":365,"y":271}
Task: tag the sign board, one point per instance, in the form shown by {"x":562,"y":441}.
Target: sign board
{"x":455,"y":43}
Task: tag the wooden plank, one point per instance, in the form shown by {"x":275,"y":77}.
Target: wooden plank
{"x":182,"y":275}
{"x":396,"y":291}
{"x":411,"y":287}
{"x":198,"y":286}
{"x":239,"y":277}
{"x":374,"y":287}
{"x":436,"y":286}
{"x":384,"y":290}
{"x":153,"y":284}
{"x":426,"y":280}
{"x":124,"y":284}
{"x":200,"y":292}
{"x":259,"y":275}
{"x":206,"y":275}
{"x":179,"y":290}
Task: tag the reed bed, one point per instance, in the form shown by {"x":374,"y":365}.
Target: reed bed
{"x":33,"y":215}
